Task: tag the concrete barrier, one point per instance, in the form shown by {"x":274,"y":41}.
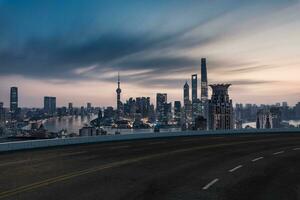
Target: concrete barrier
{"x":32,"y":144}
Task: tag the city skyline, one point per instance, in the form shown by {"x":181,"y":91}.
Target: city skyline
{"x":253,"y":46}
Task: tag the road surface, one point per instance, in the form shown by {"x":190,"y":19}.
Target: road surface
{"x":203,"y":167}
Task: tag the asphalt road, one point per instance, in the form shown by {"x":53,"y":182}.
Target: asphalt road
{"x":211,"y":167}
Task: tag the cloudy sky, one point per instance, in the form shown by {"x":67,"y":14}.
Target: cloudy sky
{"x":74,"y":49}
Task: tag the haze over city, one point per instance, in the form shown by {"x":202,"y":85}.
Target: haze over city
{"x":74,"y":49}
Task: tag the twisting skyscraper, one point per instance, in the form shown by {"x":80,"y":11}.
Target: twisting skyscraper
{"x":204,"y":87}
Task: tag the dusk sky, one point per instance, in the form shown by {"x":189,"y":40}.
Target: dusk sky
{"x":74,"y":49}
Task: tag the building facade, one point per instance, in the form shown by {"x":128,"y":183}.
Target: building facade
{"x":2,"y":114}
{"x":194,"y":88}
{"x":204,"y":88}
{"x":220,"y":108}
{"x":177,"y":112}
{"x":14,"y":102}
{"x":186,"y":94}
{"x":161,"y":100}
{"x":50,"y":105}
{"x":268,"y":118}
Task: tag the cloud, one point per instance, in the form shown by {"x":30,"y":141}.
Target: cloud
{"x":158,"y":47}
{"x":50,"y":54}
{"x":251,"y":82}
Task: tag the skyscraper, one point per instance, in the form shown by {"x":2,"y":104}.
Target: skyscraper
{"x":89,"y":107}
{"x":50,"y":105}
{"x":297,"y":110}
{"x":187,"y":110}
{"x":167,"y":113}
{"x":194,"y":87}
{"x":70,"y":106}
{"x":119,"y":103}
{"x":161,"y":99}
{"x":268,"y":118}
{"x":13,"y":99}
{"x":204,"y":87}
{"x":186,"y":94}
{"x":220,"y":108}
{"x":2,"y":113}
{"x":142,"y":105}
{"x":177,"y":112}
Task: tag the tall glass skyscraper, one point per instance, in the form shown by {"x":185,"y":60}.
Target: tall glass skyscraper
{"x":50,"y":105}
{"x":204,"y":88}
{"x":204,"y":85}
{"x":13,"y":100}
{"x":161,"y":100}
{"x":194,"y":88}
{"x":186,"y":94}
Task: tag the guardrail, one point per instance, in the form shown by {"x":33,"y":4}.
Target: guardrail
{"x":32,"y":144}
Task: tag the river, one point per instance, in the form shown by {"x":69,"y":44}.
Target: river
{"x":295,"y":123}
{"x":74,"y":123}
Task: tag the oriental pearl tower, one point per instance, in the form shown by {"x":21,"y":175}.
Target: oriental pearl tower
{"x":118,"y":90}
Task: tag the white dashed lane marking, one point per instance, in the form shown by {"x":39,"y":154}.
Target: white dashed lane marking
{"x":210,"y":184}
{"x":296,"y":149}
{"x":236,"y":168}
{"x":257,"y":159}
{"x":279,"y":152}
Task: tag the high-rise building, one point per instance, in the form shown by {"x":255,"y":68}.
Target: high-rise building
{"x":70,"y":109}
{"x":197,"y":109}
{"x":238,"y":116}
{"x":204,"y":85}
{"x":186,"y":94}
{"x":268,"y":118}
{"x":143,"y":106}
{"x":194,"y":88}
{"x":204,"y":88}
{"x":238,"y":112}
{"x":297,"y":110}
{"x":89,"y":107}
{"x":108,"y":113}
{"x":187,"y":109}
{"x":119,"y":103}
{"x":200,"y":123}
{"x":161,"y":99}
{"x":152,"y":115}
{"x":177,"y":112}
{"x":220,"y":108}
{"x":167,"y":113}
{"x":50,"y":105}
{"x":14,"y":100}
{"x":284,"y":104}
{"x":2,"y":113}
